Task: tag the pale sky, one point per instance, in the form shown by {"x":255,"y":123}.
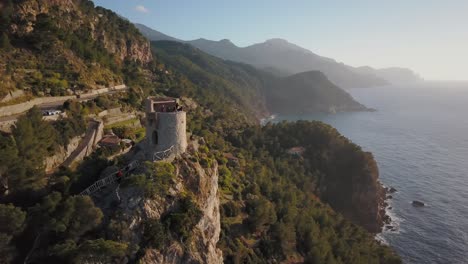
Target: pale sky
{"x":428,"y":36}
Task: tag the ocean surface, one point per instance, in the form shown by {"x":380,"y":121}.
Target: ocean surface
{"x":419,"y":137}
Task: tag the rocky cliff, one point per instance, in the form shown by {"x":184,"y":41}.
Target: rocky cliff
{"x":125,"y":45}
{"x":190,"y":182}
{"x":309,"y":92}
{"x":367,"y":204}
{"x":203,"y":183}
{"x":54,"y":45}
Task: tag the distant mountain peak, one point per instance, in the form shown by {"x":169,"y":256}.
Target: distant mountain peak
{"x":154,"y":35}
{"x":281,"y":57}
{"x":227,"y":41}
{"x":277,"y":41}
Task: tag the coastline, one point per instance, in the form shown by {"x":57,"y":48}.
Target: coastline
{"x":378,"y":217}
{"x":267,"y":119}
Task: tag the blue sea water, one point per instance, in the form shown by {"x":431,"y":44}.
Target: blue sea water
{"x":419,"y":137}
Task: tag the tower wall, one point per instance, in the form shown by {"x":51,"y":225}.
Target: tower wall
{"x":166,"y":129}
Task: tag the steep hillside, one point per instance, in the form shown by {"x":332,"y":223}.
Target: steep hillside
{"x":238,"y":195}
{"x":281,"y":55}
{"x":309,"y":92}
{"x":290,"y":58}
{"x":282,"y":58}
{"x":154,"y":35}
{"x":255,"y":91}
{"x":54,"y":46}
{"x":219,"y":82}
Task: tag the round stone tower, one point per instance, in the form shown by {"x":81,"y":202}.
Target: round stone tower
{"x":165,"y":128}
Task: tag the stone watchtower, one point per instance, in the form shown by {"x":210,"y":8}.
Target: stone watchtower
{"x":165,"y":127}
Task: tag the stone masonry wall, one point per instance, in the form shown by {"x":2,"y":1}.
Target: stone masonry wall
{"x":23,"y":107}
{"x":87,"y":144}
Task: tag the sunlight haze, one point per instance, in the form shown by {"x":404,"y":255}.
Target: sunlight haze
{"x":429,"y":37}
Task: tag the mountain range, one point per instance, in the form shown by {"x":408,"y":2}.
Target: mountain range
{"x":255,"y":91}
{"x":282,"y":58}
{"x":237,"y":195}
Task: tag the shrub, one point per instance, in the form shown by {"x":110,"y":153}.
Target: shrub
{"x":90,"y":251}
{"x":230,"y":209}
{"x":155,"y":234}
{"x":156,"y":180}
{"x":206,"y":162}
{"x":203,"y":149}
{"x":183,"y":219}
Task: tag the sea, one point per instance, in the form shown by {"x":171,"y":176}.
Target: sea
{"x":419,"y":137}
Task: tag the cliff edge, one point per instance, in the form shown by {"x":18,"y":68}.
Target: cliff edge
{"x":168,"y":212}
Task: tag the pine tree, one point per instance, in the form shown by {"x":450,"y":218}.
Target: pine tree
{"x":35,"y":140}
{"x":5,"y":42}
{"x":11,"y":224}
{"x":5,"y":14}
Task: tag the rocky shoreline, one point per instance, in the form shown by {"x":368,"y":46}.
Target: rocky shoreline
{"x":387,"y":221}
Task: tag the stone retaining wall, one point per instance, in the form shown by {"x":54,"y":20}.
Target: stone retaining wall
{"x":87,"y":144}
{"x":53,"y":162}
{"x":23,"y":107}
{"x":110,"y":120}
{"x":5,"y":126}
{"x":12,"y":95}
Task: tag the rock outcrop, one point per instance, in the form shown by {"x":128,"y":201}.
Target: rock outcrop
{"x":135,"y":209}
{"x":418,"y":204}
{"x":125,"y":46}
{"x":81,"y":46}
{"x":360,"y":196}
{"x":368,"y":200}
{"x":53,"y":162}
{"x":202,"y":248}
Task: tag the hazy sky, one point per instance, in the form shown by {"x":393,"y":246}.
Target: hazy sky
{"x":428,"y":36}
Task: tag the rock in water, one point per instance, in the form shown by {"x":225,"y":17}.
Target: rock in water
{"x":418,"y":204}
{"x":392,"y":190}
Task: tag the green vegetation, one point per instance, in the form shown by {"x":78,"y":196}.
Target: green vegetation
{"x":130,"y":129}
{"x":11,"y":224}
{"x":211,"y":81}
{"x":275,"y":206}
{"x":23,"y":152}
{"x":69,"y":218}
{"x":90,"y":251}
{"x":181,"y":221}
{"x":125,"y":123}
{"x":309,"y":92}
{"x":5,"y":42}
{"x":177,"y":224}
{"x":272,"y":208}
{"x":155,"y":181}
{"x":62,"y":53}
{"x":155,"y":234}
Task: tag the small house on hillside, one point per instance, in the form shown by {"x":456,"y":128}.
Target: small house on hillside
{"x":296,"y":151}
{"x":110,"y":141}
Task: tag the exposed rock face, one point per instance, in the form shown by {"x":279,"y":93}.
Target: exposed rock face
{"x":72,"y":17}
{"x":365,"y":196}
{"x":202,"y":248}
{"x":61,"y":155}
{"x":369,"y":200}
{"x":309,"y":92}
{"x":135,"y":209}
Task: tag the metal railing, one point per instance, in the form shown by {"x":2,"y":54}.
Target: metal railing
{"x":113,"y":177}
{"x":161,"y":155}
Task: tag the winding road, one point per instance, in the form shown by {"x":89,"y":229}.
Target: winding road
{"x":59,"y":103}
